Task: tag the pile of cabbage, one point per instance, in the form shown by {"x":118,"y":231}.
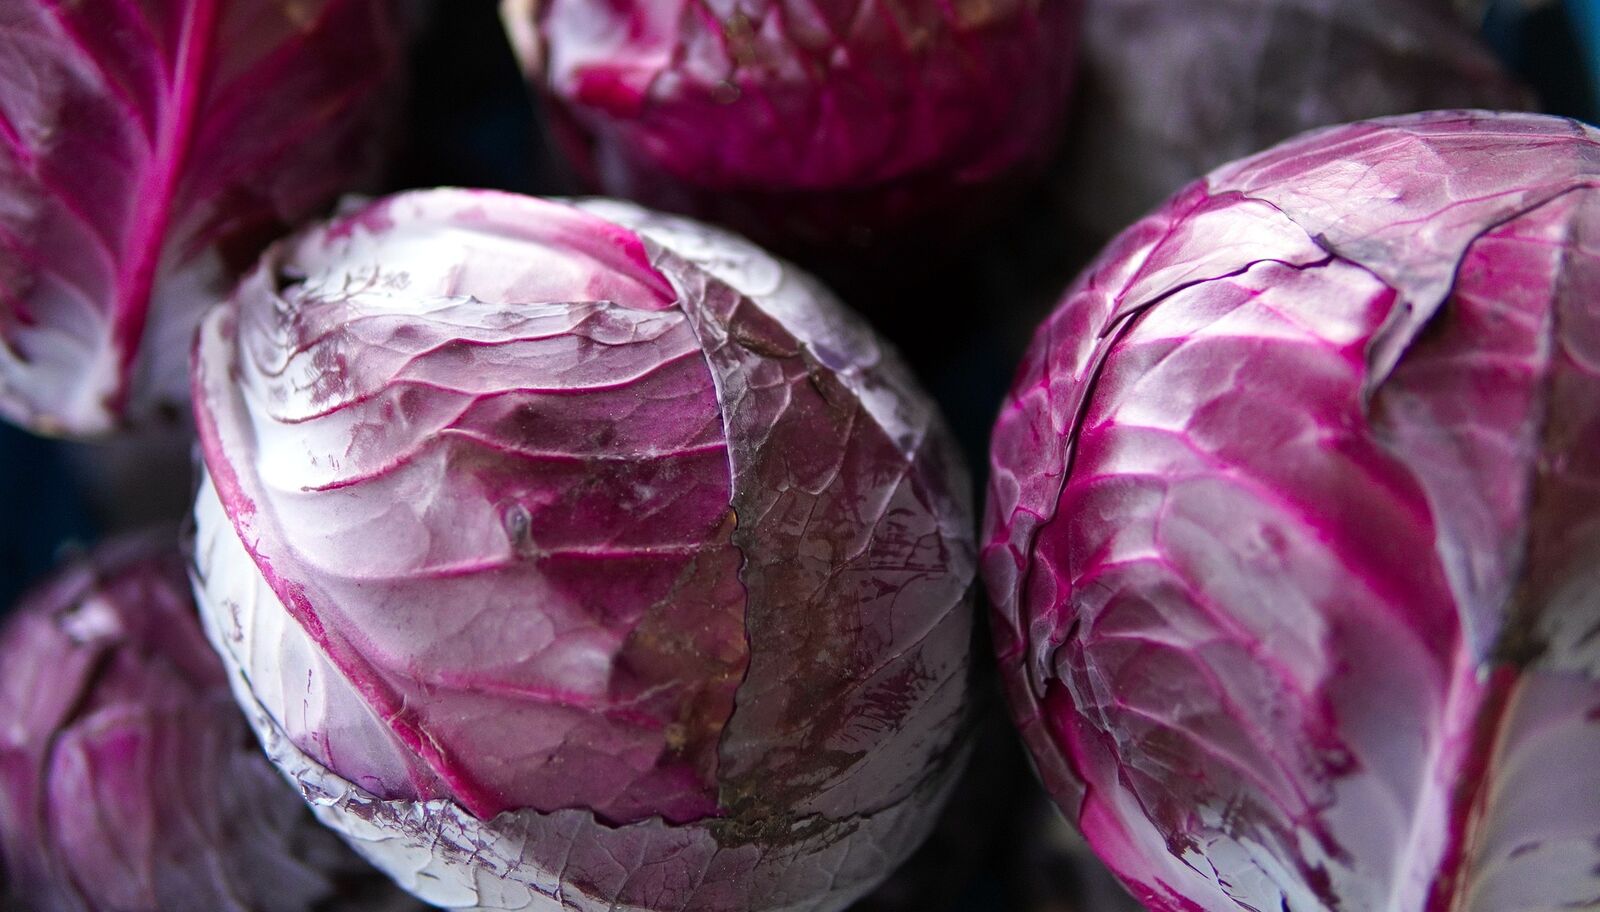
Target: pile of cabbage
{"x":559,"y":553}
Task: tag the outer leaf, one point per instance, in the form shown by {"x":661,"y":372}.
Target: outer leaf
{"x":128,"y":780}
{"x":1291,"y":532}
{"x":1533,"y":843}
{"x":823,"y":123}
{"x":148,"y":150}
{"x":1173,"y":89}
{"x":575,"y":555}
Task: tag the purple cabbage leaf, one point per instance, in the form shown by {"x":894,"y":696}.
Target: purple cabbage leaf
{"x":148,"y":152}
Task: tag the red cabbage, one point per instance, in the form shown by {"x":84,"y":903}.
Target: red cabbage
{"x":1172,"y":89}
{"x":1294,"y":523}
{"x":574,"y":551}
{"x":822,"y":123}
{"x":148,"y":151}
{"x":129,"y":782}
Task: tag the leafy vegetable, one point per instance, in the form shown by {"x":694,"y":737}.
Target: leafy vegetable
{"x":820,"y":123}
{"x":148,"y":151}
{"x":1173,"y":89}
{"x":128,"y":779}
{"x":1293,"y":528}
{"x":573,"y":551}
